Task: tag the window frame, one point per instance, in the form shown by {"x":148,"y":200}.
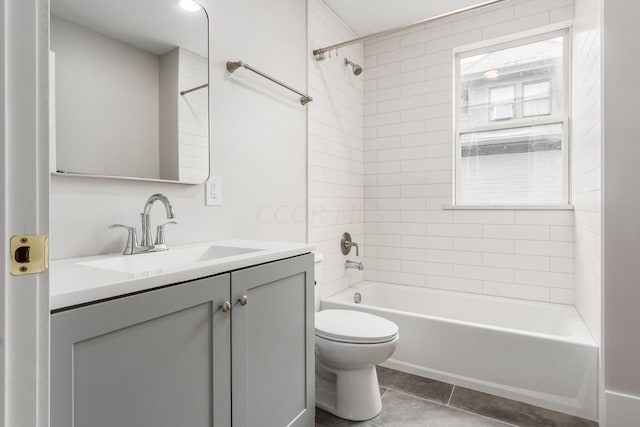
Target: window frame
{"x":562,"y":30}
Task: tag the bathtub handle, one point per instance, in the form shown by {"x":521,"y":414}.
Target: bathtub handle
{"x":346,"y":243}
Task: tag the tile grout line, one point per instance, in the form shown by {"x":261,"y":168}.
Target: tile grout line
{"x":484,"y":416}
{"x":450,"y":407}
{"x":451,"y":395}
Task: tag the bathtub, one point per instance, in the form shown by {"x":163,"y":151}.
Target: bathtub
{"x":533,"y":352}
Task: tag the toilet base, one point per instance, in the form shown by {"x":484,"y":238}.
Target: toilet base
{"x":350,"y":394}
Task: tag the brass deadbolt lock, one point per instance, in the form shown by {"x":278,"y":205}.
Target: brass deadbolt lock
{"x":29,"y":254}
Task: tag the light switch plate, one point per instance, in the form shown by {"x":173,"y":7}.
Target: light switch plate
{"x":213,"y":191}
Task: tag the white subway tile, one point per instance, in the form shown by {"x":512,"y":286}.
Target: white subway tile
{"x":424,"y":242}
{"x":548,"y":248}
{"x":402,"y":178}
{"x":400,"y":79}
{"x":545,"y":217}
{"x":483,"y":217}
{"x":402,"y":154}
{"x":484,"y":273}
{"x":525,"y":232}
{"x":402,"y":53}
{"x":410,"y":229}
{"x":401,"y":129}
{"x":402,"y":278}
{"x":431,"y":268}
{"x":454,"y":257}
{"x":562,"y":265}
{"x":483,"y":245}
{"x":562,"y":14}
{"x":511,"y":290}
{"x":525,"y":262}
{"x":516,"y":25}
{"x":562,"y":296}
{"x":484,"y":19}
{"x":538,"y":6}
{"x":454,"y":284}
{"x":381,"y":119}
{"x":382,"y":264}
{"x":401,"y":104}
{"x":563,"y":234}
{"x":455,"y":230}
{"x":382,"y":46}
{"x":544,"y":278}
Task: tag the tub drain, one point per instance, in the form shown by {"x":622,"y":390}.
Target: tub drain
{"x":357,"y":297}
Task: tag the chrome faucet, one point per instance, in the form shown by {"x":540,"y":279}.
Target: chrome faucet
{"x":146,"y":226}
{"x":147,"y":245}
{"x":354,"y":264}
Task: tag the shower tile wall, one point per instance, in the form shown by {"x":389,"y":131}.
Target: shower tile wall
{"x":410,"y":238}
{"x":586,"y":161}
{"x":335,"y":148}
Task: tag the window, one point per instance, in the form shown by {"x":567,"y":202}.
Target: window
{"x":502,"y":102}
{"x":511,"y":123}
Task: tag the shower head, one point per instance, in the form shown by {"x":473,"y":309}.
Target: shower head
{"x":357,"y":69}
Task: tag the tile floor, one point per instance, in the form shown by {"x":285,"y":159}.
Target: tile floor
{"x":411,"y":401}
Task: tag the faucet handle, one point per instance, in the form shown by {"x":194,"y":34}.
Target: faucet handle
{"x":132,"y":238}
{"x":160,"y":233}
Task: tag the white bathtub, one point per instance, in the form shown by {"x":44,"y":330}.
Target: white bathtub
{"x":538,"y":353}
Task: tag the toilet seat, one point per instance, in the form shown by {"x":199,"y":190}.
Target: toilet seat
{"x":354,"y":327}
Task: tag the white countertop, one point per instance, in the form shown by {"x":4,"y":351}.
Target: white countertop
{"x":72,"y":282}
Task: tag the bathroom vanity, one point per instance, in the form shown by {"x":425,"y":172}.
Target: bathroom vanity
{"x":226,"y":340}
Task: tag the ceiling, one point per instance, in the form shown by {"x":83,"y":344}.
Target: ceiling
{"x":370,"y":16}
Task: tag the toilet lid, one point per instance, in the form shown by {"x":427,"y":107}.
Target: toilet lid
{"x":354,"y":327}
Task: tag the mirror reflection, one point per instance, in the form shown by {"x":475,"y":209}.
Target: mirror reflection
{"x":131,"y":96}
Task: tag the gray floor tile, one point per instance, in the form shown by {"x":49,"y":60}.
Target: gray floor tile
{"x":325,"y":419}
{"x":412,"y":384}
{"x":518,"y":413}
{"x":402,"y":410}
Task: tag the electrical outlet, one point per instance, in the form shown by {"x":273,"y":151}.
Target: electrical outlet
{"x":213,"y":191}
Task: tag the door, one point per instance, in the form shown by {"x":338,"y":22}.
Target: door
{"x":273,"y":344}
{"x":24,"y":209}
{"x":155,"y":359}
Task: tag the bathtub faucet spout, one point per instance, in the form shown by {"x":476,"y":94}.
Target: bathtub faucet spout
{"x":353,"y":264}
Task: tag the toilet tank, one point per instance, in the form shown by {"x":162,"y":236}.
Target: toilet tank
{"x":319,"y":276}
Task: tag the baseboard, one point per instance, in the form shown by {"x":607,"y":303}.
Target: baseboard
{"x":621,"y":410}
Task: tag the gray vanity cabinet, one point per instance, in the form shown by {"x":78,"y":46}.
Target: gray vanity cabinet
{"x":156,"y":359}
{"x":173,"y":357}
{"x":272,"y":344}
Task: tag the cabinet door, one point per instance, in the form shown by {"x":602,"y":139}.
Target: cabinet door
{"x":273,"y":344}
{"x":155,"y":359}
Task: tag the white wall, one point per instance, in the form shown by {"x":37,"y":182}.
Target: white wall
{"x":335,"y":148}
{"x":258,"y":146}
{"x":621,"y":232}
{"x":106,"y":103}
{"x":410,"y":239}
{"x":586,"y":147}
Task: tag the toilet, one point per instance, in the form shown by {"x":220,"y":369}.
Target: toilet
{"x":349,"y":345}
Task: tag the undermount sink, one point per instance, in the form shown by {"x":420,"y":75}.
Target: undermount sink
{"x":173,"y":258}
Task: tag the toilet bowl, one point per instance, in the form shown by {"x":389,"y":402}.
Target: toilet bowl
{"x":349,"y":345}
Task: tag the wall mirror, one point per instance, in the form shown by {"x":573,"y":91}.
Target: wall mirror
{"x":131,"y":95}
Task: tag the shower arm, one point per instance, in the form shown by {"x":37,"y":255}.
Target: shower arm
{"x":319,"y":53}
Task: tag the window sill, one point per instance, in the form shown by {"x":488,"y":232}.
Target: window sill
{"x":508,"y":207}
